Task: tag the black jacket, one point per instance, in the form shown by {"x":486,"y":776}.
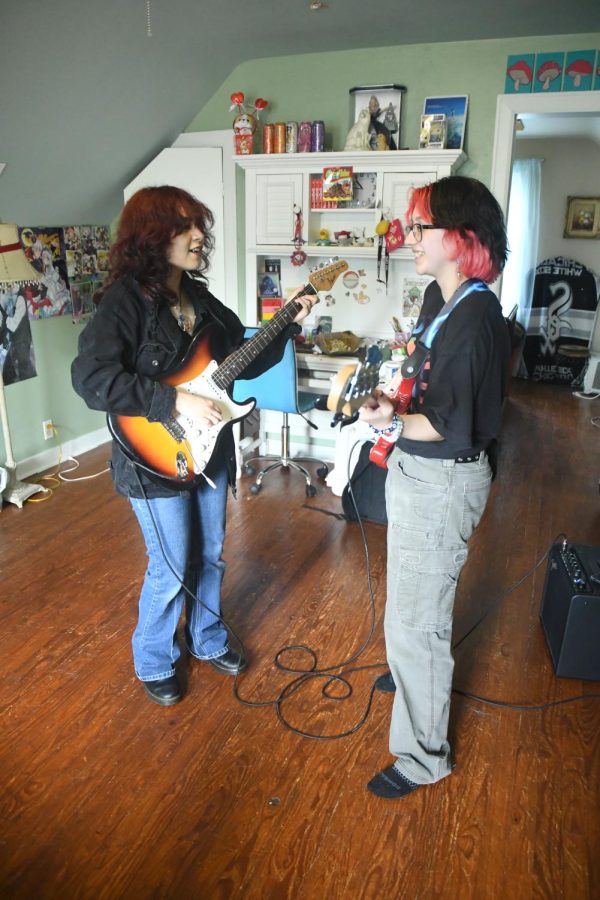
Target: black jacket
{"x":131,"y":343}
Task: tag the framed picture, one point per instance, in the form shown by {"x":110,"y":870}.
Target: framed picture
{"x":384,"y":102}
{"x":583,"y":217}
{"x":455,"y":110}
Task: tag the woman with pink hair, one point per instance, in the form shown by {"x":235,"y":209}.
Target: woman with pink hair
{"x":440,"y":468}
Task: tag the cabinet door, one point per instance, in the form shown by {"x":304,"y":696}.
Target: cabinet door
{"x":396,"y":188}
{"x":275,"y":199}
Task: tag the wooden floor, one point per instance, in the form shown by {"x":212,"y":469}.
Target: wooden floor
{"x":106,"y":795}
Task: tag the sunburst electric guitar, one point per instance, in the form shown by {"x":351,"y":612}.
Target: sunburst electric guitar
{"x":180,"y":449}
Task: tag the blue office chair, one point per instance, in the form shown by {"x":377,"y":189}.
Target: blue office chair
{"x":277,"y":389}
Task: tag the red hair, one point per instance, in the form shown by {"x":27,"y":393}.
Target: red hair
{"x":472,"y":219}
{"x":150,"y":220}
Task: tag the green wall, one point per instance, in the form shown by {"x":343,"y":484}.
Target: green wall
{"x":307,"y":86}
{"x":315,"y":86}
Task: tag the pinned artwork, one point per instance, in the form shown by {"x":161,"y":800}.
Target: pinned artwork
{"x":413,"y":290}
{"x":579,"y":70}
{"x":45,"y":250}
{"x":17,"y":361}
{"x":548,"y":72}
{"x":519,"y":73}
{"x":575,"y":70}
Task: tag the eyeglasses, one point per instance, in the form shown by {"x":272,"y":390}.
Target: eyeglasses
{"x":417,"y":229}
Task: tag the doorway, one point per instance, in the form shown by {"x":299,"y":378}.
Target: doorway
{"x":540,"y":110}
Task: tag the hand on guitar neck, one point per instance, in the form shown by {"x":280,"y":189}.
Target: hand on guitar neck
{"x":205,"y":411}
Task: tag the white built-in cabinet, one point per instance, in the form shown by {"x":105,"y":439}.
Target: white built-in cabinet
{"x":278,"y":184}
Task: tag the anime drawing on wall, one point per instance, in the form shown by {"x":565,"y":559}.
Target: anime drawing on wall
{"x":82,"y":293}
{"x":16,"y":347}
{"x":87,"y":250}
{"x":45,"y":250}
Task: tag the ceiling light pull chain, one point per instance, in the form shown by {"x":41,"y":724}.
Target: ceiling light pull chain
{"x":148,"y":19}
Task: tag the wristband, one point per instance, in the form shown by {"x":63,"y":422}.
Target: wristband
{"x":393,"y":431}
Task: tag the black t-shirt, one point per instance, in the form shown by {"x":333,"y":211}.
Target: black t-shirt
{"x":461,"y":394}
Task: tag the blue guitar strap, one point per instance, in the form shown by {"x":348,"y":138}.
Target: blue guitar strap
{"x":413,"y":364}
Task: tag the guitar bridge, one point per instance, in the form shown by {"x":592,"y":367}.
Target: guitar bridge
{"x":175,"y":429}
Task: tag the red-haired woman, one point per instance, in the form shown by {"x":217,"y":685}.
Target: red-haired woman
{"x":439,"y":471}
{"x":154,"y":302}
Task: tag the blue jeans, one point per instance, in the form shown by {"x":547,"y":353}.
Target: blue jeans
{"x":191,"y":527}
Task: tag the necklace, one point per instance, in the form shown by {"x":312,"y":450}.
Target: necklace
{"x":185,"y":320}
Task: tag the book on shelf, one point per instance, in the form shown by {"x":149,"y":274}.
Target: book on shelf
{"x":269,"y":306}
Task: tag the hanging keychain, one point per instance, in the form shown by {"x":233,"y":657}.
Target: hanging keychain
{"x":381,"y":230}
{"x":298,"y":257}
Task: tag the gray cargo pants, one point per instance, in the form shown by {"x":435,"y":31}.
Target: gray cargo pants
{"x":433,"y":507}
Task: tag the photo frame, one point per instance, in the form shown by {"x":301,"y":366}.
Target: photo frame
{"x":386,"y":119}
{"x":582,"y":218}
{"x":454,"y":107}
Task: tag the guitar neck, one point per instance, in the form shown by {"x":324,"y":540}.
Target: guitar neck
{"x":230,"y":368}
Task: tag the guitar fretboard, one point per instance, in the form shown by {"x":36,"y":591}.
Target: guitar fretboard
{"x":230,"y":368}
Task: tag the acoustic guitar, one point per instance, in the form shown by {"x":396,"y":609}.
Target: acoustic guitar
{"x":180,"y":449}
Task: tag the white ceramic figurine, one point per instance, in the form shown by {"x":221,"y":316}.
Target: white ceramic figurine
{"x":358,"y":136}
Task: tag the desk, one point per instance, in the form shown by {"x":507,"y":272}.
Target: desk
{"x":329,"y":443}
{"x":315,"y":372}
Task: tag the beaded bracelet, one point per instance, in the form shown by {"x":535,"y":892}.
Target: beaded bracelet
{"x":393,"y":431}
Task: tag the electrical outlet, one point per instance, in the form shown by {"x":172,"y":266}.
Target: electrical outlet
{"x":48,"y":429}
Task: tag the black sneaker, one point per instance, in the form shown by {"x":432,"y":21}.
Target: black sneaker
{"x":391,"y":785}
{"x":385,"y":683}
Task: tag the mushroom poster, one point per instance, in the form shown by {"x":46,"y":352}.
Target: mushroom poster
{"x":577,"y":70}
{"x":548,"y":72}
{"x":519,"y":73}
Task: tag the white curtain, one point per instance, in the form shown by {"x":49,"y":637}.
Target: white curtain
{"x":523,"y":229}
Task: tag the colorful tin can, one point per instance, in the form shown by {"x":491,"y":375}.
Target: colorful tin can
{"x":291,"y":137}
{"x":317,"y":138}
{"x":279,"y":137}
{"x":268,"y":139}
{"x":304,"y":137}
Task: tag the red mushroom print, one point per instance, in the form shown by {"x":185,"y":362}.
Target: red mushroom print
{"x":578,"y":69}
{"x":520,"y":72}
{"x":548,"y":72}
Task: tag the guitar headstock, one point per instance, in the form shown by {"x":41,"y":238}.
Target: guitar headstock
{"x":353,"y":384}
{"x":324,"y":278}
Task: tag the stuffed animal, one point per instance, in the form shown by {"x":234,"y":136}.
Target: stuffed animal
{"x":358,"y":136}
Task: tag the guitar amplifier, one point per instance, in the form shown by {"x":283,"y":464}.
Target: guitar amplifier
{"x":570,"y":611}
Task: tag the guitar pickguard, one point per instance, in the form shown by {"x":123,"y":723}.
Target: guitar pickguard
{"x":180,"y":449}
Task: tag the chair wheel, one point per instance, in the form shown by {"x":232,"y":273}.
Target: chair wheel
{"x":310,"y":490}
{"x":255,"y":488}
{"x":322,"y":471}
{"x":248,"y":470}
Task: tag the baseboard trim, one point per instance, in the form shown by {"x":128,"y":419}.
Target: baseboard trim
{"x":49,"y":458}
